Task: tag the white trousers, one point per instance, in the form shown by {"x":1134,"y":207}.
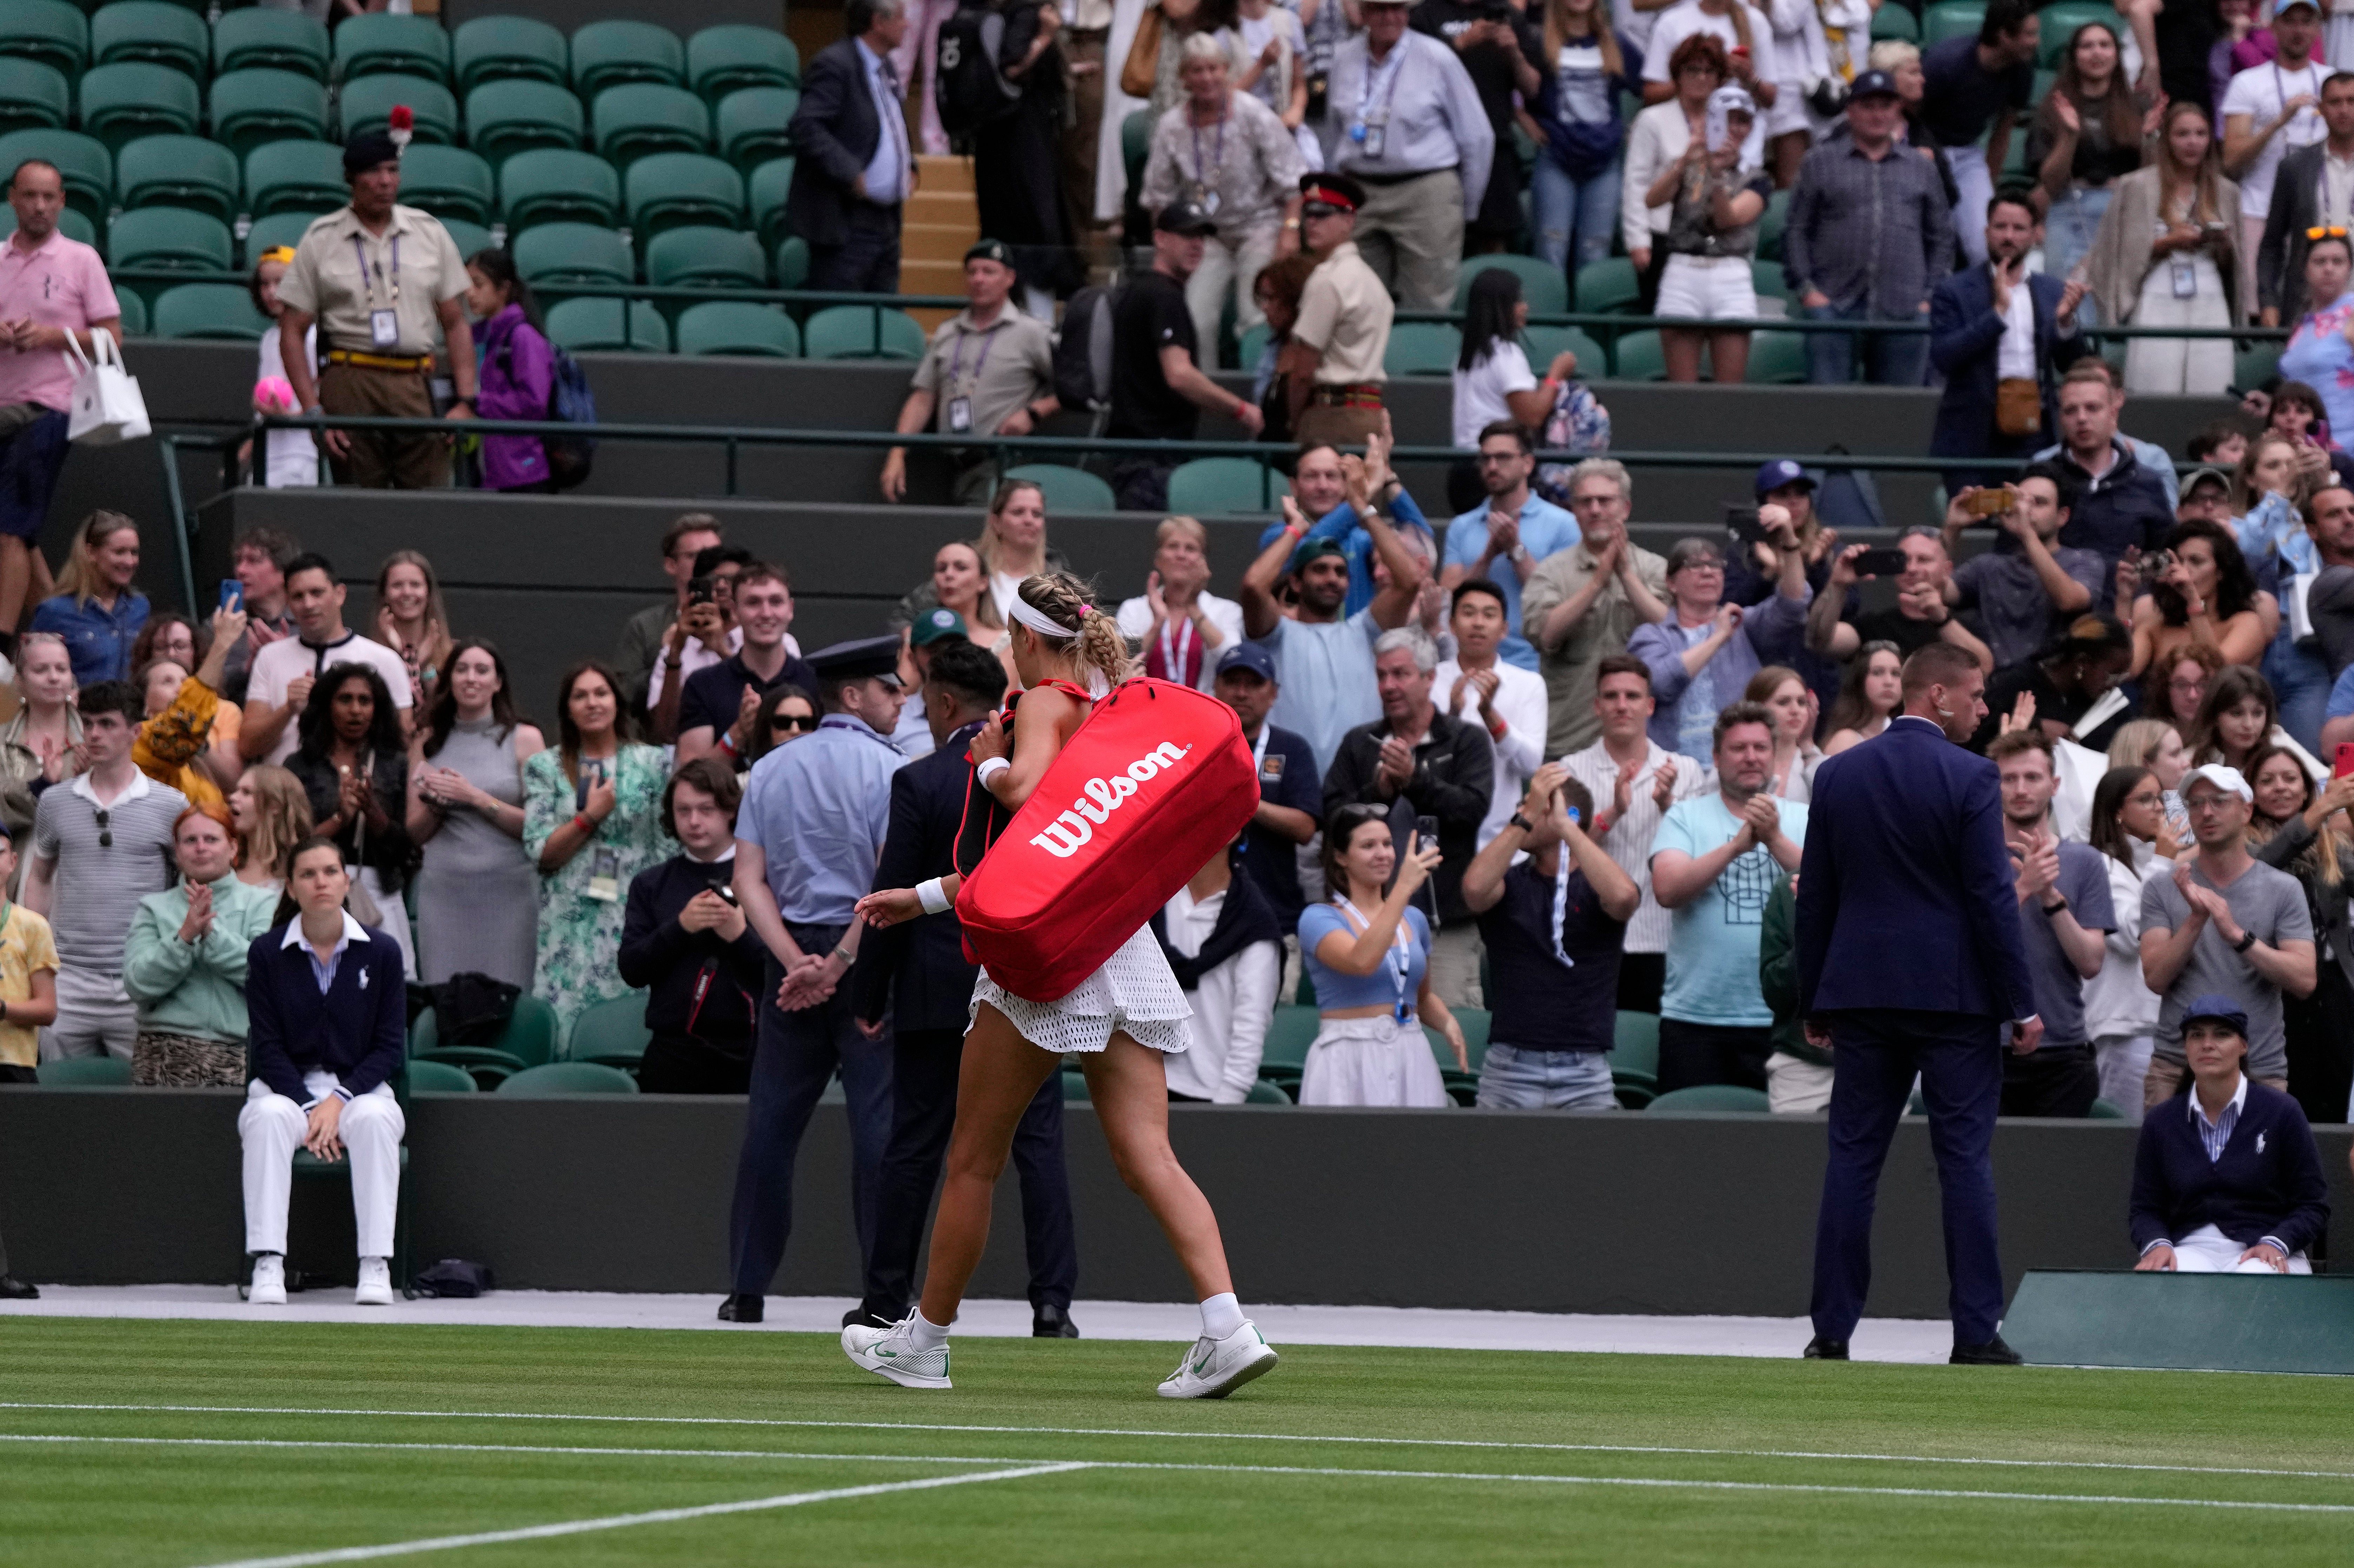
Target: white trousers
{"x":1976,"y":182}
{"x":2175,"y":367}
{"x":1795,"y":1087}
{"x":270,"y":1127}
{"x":1228,"y":263}
{"x":2209,"y":1251}
{"x":95,"y":1017}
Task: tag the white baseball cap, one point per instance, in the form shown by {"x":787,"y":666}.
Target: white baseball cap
{"x":2227,"y":779}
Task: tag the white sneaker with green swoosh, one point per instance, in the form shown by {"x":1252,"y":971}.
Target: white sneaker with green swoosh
{"x":891,"y":1352}
{"x":1213,"y":1369}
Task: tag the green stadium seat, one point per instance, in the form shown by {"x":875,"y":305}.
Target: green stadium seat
{"x":754,"y":124}
{"x":254,"y":39}
{"x":607,"y":325}
{"x":1215,"y":485}
{"x":252,"y":108}
{"x":33,"y":96}
{"x":1066,"y":489}
{"x":1711,"y":1100}
{"x":120,"y":103}
{"x":1635,"y":1050}
{"x":739,"y":327}
{"x":639,"y":118}
{"x":439,"y":1078}
{"x":74,"y":225}
{"x":1893,"y":21}
{"x":766,"y":188}
{"x":1768,"y":279}
{"x":1543,"y":286}
{"x":2059,"y":23}
{"x":1541,"y":344}
{"x":382,"y":44}
{"x":509,"y":117}
{"x":1776,"y":219}
{"x":611,"y":1033}
{"x":720,"y":60}
{"x":1289,"y":1032}
{"x":152,"y":31}
{"x":1640,"y":357}
{"x":569,"y":1078}
{"x":1951,"y":19}
{"x":1136,"y":145}
{"x":1262,"y":1093}
{"x":368,"y":104}
{"x":1250,"y":346}
{"x":551,"y":185}
{"x":792,"y":262}
{"x":209,"y":311}
{"x":84,"y":161}
{"x":1778,"y":359}
{"x":47,"y":32}
{"x":86,"y":1072}
{"x":169,"y":237}
{"x":135,"y":309}
{"x":706,"y":258}
{"x":862,"y":331}
{"x":2103,"y":1110}
{"x":1422,"y":348}
{"x":448,"y":182}
{"x":468,"y":238}
{"x":179,"y":171}
{"x":573,"y":253}
{"x":507,"y":48}
{"x":280,"y":229}
{"x":528,"y":1041}
{"x":674,"y":190}
{"x":2255,"y":364}
{"x":1075,"y":1087}
{"x":606,"y":54}
{"x":1609,"y":285}
{"x":294,"y":176}
{"x":1475,"y":1022}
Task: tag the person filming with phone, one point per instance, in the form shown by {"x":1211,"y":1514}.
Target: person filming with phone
{"x":2001,"y":335}
{"x":1923,"y":568}
{"x":2024,"y":589}
{"x":685,"y":942}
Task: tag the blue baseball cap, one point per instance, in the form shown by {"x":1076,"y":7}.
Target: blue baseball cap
{"x":2216,"y":1008}
{"x":1251,"y":656}
{"x":1774,"y":475}
{"x":1874,"y":84}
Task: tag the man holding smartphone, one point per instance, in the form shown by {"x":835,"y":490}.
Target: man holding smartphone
{"x":1922,"y":570}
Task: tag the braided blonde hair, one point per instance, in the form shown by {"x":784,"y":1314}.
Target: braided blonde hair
{"x":1096,"y":640}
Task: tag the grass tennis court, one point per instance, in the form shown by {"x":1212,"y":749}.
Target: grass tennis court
{"x":124,"y":1443}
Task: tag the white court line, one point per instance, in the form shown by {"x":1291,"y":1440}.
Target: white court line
{"x":625,"y":1521}
{"x":1669,"y":1483}
{"x":1199,"y":1437}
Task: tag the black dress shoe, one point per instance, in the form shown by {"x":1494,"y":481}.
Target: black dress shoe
{"x":1993,"y":1353}
{"x":865,"y":1317}
{"x":1824,"y":1348}
{"x":1053,"y":1322}
{"x":15,"y":1290}
{"x":741,"y":1307}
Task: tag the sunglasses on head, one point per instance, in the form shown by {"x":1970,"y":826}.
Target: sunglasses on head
{"x":2325,"y":231}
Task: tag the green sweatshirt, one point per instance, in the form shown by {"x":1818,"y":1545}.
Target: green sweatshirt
{"x":1778,"y":974}
{"x":197,"y":988}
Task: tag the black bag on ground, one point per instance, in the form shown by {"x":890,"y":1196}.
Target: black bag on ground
{"x":456,"y":1279}
{"x":471,"y":1009}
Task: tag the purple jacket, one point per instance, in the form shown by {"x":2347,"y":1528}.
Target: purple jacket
{"x":518,"y":373}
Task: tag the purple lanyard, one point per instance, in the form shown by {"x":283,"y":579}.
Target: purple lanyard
{"x":361,"y":251}
{"x":1217,"y":154}
{"x":956,"y":359}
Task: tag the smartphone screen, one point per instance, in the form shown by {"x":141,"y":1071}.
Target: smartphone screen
{"x":232,"y":594}
{"x":1740,"y":522}
{"x":2344,"y":765}
{"x":1884,"y":561}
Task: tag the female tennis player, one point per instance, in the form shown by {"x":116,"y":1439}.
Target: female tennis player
{"x":1118,"y":1020}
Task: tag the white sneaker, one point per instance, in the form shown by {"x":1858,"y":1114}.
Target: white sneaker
{"x":375,"y":1283}
{"x":1213,"y":1369}
{"x":269,"y":1286}
{"x":892,"y":1353}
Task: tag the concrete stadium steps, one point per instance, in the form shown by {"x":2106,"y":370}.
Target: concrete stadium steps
{"x":940,"y":224}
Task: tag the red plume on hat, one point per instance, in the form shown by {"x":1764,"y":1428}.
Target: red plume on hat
{"x":404,"y":125}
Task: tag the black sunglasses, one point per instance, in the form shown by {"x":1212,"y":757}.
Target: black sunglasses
{"x":793,"y":721}
{"x":105,"y":827}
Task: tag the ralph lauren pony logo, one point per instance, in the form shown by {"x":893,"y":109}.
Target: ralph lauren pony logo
{"x":1101,"y":799}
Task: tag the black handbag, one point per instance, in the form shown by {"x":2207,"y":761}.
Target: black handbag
{"x":473,"y":1008}
{"x":455,"y":1278}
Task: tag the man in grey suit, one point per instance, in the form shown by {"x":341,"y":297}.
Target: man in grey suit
{"x":2314,"y":189}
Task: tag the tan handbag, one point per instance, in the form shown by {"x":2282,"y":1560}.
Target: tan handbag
{"x":1143,"y":65}
{"x":2017,"y":406}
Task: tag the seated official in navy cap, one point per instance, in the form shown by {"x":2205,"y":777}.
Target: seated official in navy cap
{"x":989,"y":369}
{"x":2227,"y":1180}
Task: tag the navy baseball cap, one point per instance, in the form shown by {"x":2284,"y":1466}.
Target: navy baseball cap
{"x":1251,"y":656}
{"x":2214,"y":1006}
{"x":1774,"y":475}
{"x":1873,"y":84}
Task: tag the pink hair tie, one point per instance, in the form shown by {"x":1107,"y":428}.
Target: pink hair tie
{"x":1087,"y":609}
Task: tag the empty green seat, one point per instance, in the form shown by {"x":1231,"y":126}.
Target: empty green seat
{"x":1635,"y":1057}
{"x":1610,"y":284}
{"x":1251,"y":346}
{"x":439,"y":1078}
{"x":1770,"y":226}
{"x":639,"y":118}
{"x":1895,"y":22}
{"x":792,"y":262}
{"x":280,"y":229}
{"x":569,"y":1078}
{"x":1262,"y":1093}
{"x":767,"y":187}
{"x":152,"y":31}
{"x":754,"y":124}
{"x":382,"y":44}
{"x":448,"y":182}
{"x":2256,"y":364}
{"x":863,"y":332}
{"x":528,"y":1040}
{"x":1541,"y":344}
{"x":87,"y":167}
{"x":1422,"y":348}
{"x":1543,"y":285}
{"x":553,"y":185}
{"x":86,"y":1072}
{"x":120,"y":103}
{"x":33,"y":95}
{"x":737,"y":326}
{"x":606,"y":54}
{"x":50,"y":32}
{"x":673,"y":190}
{"x":468,"y":236}
{"x":505,"y":48}
{"x":1778,"y":359}
{"x":573,"y":253}
{"x":367,"y":105}
{"x":1711,"y":1100}
{"x":607,"y":325}
{"x":1208,"y":486}
{"x":1768,"y":279}
{"x":722,"y":59}
{"x":505,"y":118}
{"x":1951,"y":19}
{"x":208,"y":310}
{"x":271,"y":40}
{"x":179,"y":171}
{"x":1066,"y":489}
{"x":135,"y":309}
{"x":1289,"y":1032}
{"x":1641,"y":357}
{"x":251,"y":108}
{"x":612,"y":1032}
{"x":708,"y":259}
{"x":169,"y":237}
{"x":294,"y":176}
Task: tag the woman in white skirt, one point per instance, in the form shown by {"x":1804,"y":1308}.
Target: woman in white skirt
{"x":2167,"y":254}
{"x":1370,"y":958}
{"x":1118,"y":1022}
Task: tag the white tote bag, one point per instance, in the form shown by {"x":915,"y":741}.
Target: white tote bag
{"x":107,"y":406}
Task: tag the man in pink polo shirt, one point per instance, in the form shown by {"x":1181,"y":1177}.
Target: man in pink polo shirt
{"x":49,"y":286}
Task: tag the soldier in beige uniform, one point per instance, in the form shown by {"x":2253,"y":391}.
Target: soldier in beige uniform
{"x":377,"y":277}
{"x":1333,"y":365}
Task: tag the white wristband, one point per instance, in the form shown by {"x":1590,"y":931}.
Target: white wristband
{"x":989,"y":768}
{"x":934,"y":899}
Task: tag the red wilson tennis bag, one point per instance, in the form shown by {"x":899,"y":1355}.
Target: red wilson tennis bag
{"x":1152,"y":784}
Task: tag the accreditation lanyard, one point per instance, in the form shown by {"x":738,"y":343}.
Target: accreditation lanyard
{"x":1258,"y":751}
{"x":1400,"y":953}
{"x":2280,"y":96}
{"x":1561,"y":904}
{"x":1177,"y":653}
{"x":1371,"y":129}
{"x":1205,"y":174}
{"x":383,"y":324}
{"x":960,"y":404}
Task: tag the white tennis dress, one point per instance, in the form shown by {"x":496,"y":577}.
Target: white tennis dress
{"x":1134,"y":993}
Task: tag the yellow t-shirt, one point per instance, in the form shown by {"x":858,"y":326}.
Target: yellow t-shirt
{"x":25,"y":949}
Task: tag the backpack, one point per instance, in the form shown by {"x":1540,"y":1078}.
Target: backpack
{"x":1847,"y":498}
{"x":569,"y":401}
{"x":1083,"y":351}
{"x":968,"y":87}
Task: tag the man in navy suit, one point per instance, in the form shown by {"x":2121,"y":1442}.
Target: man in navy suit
{"x":916,"y":971}
{"x":1910,"y":959}
{"x":851,"y":134}
{"x":1995,"y":323}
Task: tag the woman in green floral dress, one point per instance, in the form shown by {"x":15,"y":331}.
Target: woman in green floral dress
{"x":592,"y":819}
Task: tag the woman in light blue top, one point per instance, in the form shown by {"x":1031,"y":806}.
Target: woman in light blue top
{"x":1369,"y":956}
{"x":2320,"y":352}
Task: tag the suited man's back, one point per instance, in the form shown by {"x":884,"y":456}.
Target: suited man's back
{"x":921,"y":962}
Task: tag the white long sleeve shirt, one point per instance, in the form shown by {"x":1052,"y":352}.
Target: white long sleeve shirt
{"x":1521,"y":702}
{"x":1657,"y":138}
{"x":1231,"y":1010}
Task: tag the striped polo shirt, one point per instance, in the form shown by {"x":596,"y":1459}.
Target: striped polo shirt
{"x":99,"y":884}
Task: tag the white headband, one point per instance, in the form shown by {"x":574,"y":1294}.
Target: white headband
{"x":1040,"y":625}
